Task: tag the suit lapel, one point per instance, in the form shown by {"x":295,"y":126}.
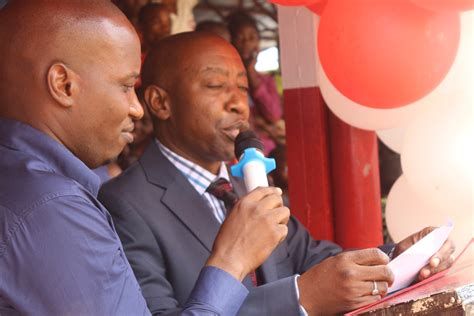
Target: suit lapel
{"x":180,"y":196}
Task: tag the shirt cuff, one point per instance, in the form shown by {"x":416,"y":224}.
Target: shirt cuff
{"x":302,"y":310}
{"x":218,"y":291}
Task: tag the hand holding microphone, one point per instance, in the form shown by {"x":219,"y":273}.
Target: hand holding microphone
{"x":258,"y":221}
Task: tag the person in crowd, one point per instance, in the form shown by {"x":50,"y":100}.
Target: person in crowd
{"x":171,"y":5}
{"x":214,"y":27}
{"x":280,"y":174}
{"x":169,"y":207}
{"x":67,"y":104}
{"x":142,"y":135}
{"x":131,"y":9}
{"x":154,"y":23}
{"x":264,"y":100}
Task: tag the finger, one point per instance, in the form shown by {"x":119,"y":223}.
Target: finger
{"x":282,"y":231}
{"x":281,"y":215}
{"x":380,"y":273}
{"x":443,"y":254}
{"x":368,"y":257}
{"x":425,"y":231}
{"x":440,"y":261}
{"x":376,"y":288}
{"x":259,"y":193}
{"x":424,"y":273}
{"x":270,"y":202}
{"x":428,"y":270}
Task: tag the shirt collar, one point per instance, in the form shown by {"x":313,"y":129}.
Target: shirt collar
{"x":56,"y":157}
{"x":199,"y":177}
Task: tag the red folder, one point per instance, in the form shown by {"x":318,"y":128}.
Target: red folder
{"x":461,"y":272}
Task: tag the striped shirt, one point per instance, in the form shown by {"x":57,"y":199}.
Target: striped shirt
{"x":199,"y":178}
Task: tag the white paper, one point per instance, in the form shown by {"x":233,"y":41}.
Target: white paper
{"x":407,"y":265}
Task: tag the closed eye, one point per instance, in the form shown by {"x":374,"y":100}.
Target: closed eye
{"x":244,"y":88}
{"x":128,"y":88}
{"x":215,"y":86}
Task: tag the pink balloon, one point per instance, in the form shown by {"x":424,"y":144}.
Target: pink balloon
{"x":445,"y":5}
{"x":318,"y":7}
{"x":386,"y":53}
{"x":294,"y":2}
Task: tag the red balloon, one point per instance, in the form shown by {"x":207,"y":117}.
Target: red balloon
{"x":445,"y":5}
{"x":318,"y":7}
{"x":294,"y":2}
{"x":386,"y":53}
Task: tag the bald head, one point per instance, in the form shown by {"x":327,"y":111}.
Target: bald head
{"x":60,"y":55}
{"x":176,"y":56}
{"x":42,"y":32}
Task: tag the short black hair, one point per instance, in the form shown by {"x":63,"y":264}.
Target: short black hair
{"x":238,"y":19}
{"x":146,"y":10}
{"x":208,"y":25}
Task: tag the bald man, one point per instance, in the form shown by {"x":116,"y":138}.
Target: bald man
{"x":196,"y":90}
{"x":67,"y":104}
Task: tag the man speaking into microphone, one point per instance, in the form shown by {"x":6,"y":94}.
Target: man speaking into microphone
{"x":169,"y":206}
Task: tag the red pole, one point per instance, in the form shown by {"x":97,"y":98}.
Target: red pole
{"x":356,"y":185}
{"x":309,"y":184}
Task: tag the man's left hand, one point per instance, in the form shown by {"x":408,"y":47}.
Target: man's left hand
{"x":440,"y":261}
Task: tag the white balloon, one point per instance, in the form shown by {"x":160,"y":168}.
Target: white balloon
{"x":406,"y":214}
{"x":460,"y":75}
{"x":438,"y":154}
{"x":438,"y":149}
{"x":393,"y":138}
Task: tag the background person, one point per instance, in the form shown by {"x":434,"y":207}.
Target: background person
{"x":264,"y":100}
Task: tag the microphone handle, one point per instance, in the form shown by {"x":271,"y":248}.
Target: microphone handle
{"x":255,"y":175}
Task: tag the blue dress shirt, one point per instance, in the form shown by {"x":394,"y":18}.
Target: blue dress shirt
{"x":59,"y":252}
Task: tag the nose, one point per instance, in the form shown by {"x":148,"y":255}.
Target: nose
{"x":238,"y":103}
{"x":135,"y":109}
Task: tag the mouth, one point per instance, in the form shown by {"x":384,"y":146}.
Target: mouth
{"x":233,"y":130}
{"x":127,"y":134}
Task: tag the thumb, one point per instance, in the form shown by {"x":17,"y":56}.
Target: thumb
{"x":369,"y":257}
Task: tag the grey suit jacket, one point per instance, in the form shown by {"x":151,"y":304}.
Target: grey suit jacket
{"x":168,"y":229}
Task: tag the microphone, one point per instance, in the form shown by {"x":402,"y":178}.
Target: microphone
{"x":253,"y":166}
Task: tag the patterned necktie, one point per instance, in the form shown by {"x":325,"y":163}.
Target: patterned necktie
{"x":222,"y":189}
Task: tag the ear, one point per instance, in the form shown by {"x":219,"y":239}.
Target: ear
{"x":62,"y":84}
{"x":158,"y":102}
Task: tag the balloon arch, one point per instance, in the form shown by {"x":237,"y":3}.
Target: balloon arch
{"x":404,"y":68}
